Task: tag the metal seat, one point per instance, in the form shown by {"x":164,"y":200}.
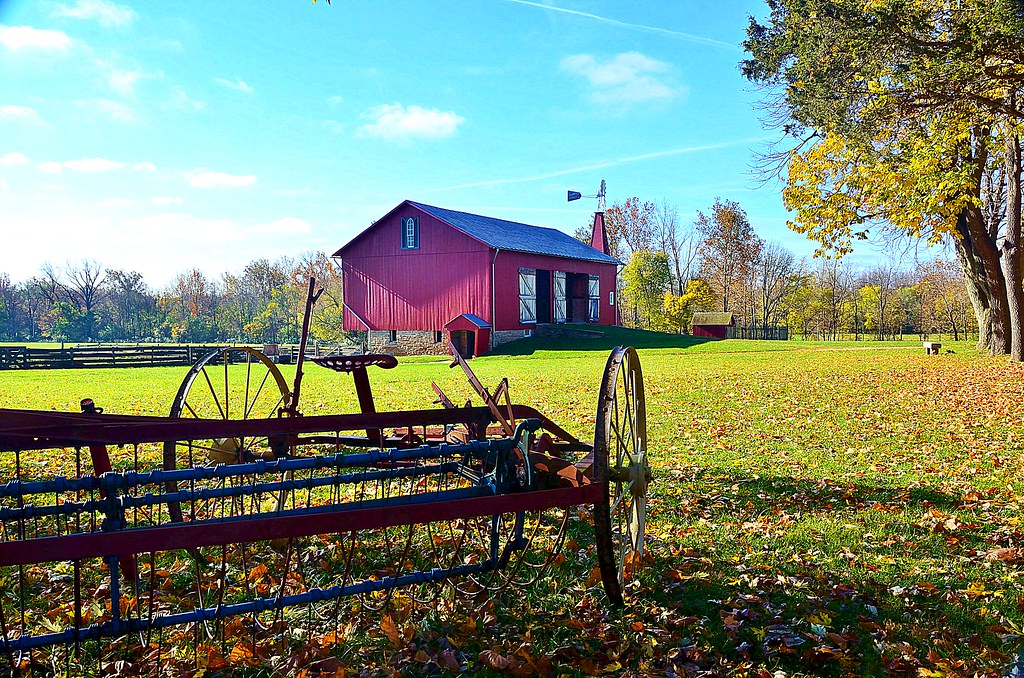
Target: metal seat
{"x":350,"y":363}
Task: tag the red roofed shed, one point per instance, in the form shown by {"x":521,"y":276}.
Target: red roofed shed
{"x":712,"y":325}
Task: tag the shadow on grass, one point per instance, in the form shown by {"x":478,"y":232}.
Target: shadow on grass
{"x":763,"y":493}
{"x":611,"y":337}
{"x":788,"y":589}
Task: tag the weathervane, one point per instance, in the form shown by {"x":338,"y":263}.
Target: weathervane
{"x":576,"y":195}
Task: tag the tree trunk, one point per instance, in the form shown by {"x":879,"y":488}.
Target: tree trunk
{"x":979,"y":259}
{"x":995,"y":283}
{"x":1011,"y":250}
{"x":983,"y":277}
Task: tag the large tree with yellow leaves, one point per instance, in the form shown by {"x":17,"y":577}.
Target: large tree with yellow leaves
{"x":904,"y":115}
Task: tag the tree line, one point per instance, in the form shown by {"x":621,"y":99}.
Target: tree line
{"x":673,"y":269}
{"x":719,"y":263}
{"x":85,"y":302}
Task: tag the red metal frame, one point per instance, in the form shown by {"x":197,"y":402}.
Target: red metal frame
{"x":34,"y":430}
{"x":263,"y":528}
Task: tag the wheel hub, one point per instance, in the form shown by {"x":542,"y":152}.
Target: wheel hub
{"x":639,"y":474}
{"x":635,"y":473}
{"x":223,"y":451}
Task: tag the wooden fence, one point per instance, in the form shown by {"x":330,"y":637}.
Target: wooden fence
{"x":771,"y":332}
{"x":25,"y":358}
{"x":123,"y":355}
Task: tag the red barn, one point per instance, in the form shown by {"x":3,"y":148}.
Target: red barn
{"x":712,"y":325}
{"x":421,"y":276}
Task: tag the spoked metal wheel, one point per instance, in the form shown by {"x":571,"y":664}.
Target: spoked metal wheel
{"x":620,"y":462}
{"x":228,"y":383}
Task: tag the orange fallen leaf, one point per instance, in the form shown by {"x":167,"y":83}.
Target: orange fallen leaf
{"x":493,"y":660}
{"x":390,"y":630}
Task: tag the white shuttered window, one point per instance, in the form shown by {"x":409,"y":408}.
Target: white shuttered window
{"x":594,"y":294}
{"x":560,"y":296}
{"x":527,"y":295}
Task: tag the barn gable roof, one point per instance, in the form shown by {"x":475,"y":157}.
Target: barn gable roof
{"x":711,"y":318}
{"x":512,"y":235}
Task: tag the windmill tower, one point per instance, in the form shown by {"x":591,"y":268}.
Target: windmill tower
{"x":598,"y":233}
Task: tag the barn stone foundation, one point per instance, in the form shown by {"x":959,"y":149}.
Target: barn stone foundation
{"x":505,"y":336}
{"x":408,"y":342}
{"x":417,"y":342}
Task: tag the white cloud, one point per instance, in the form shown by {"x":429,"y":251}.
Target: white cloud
{"x":396,"y":122}
{"x":13,"y":158}
{"x":123,"y":82}
{"x":333,"y":125}
{"x":93,"y":165}
{"x":205,"y":179}
{"x":59,"y":229}
{"x":285,"y":226}
{"x":164,"y":200}
{"x":118,"y":202}
{"x":107,"y":108}
{"x":628,"y":78}
{"x":107,"y":13}
{"x":238,"y":85}
{"x":295,"y":192}
{"x":182,"y":101}
{"x":334,"y":101}
{"x":183,"y":226}
{"x":15,"y":38}
{"x":21,"y":114}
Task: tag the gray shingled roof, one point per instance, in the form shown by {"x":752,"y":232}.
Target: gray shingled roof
{"x":475,"y":319}
{"x":512,"y":235}
{"x":711,"y":318}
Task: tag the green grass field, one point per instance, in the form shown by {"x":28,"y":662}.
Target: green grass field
{"x":817,"y":508}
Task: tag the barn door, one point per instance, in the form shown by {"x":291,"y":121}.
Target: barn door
{"x":527,"y":295}
{"x":594,"y":295}
{"x":560,"y":296}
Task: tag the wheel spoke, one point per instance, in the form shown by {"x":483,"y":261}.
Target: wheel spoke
{"x":248,"y":377}
{"x":641,"y":519}
{"x":227,"y":391}
{"x":213,"y":394}
{"x":189,"y":408}
{"x":255,"y":398}
{"x":622,"y":493}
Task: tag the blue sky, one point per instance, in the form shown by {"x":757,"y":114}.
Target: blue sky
{"x":161,"y":136}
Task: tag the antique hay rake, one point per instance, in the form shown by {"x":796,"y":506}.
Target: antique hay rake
{"x":237,"y":522}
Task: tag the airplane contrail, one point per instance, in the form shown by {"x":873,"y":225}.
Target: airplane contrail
{"x":601,"y":164}
{"x":640,"y":27}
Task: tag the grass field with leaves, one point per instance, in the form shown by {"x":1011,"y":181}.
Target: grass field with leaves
{"x":816,"y":509}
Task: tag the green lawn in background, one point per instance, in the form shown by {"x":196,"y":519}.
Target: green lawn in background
{"x":817,"y":508}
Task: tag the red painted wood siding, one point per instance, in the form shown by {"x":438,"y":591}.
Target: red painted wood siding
{"x":506,"y":283}
{"x":395,"y":289}
{"x":709,"y":331}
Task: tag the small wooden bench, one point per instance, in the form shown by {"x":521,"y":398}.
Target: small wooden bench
{"x":932,"y":347}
